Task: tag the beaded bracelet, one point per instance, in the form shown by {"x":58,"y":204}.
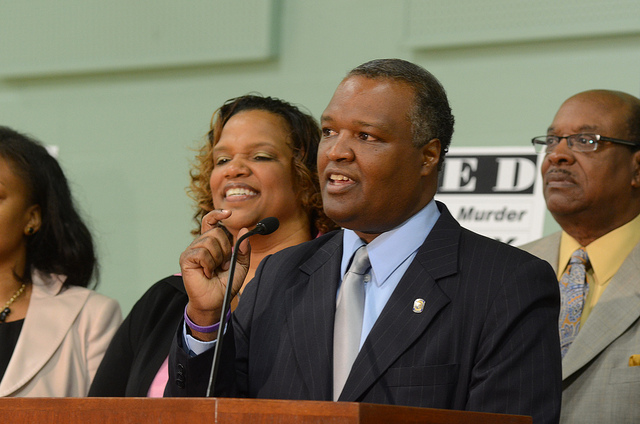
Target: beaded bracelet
{"x":207,"y":329}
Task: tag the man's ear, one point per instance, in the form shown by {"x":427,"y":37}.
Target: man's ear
{"x":635,"y":181}
{"x":430,"y":156}
{"x":34,"y":221}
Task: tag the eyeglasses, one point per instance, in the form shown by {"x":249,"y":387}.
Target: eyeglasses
{"x":576,"y":142}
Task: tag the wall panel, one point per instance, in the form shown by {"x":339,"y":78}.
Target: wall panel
{"x":43,"y":37}
{"x":446,"y":23}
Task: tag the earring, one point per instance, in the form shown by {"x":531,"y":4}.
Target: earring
{"x":30,"y":231}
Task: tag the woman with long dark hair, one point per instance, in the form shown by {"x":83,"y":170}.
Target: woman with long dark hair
{"x":54,"y":329}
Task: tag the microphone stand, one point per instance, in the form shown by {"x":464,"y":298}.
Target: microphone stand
{"x":266,"y":226}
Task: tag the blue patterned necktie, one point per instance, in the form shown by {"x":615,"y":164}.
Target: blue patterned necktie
{"x":573,"y":293}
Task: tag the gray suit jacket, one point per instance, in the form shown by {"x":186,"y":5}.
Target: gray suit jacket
{"x":598,"y":384}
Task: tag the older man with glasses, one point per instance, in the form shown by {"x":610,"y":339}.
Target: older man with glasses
{"x":591,"y":174}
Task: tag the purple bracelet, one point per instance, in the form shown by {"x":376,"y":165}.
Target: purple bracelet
{"x":207,"y":329}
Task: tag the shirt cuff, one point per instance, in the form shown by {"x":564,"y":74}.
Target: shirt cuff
{"x":193,"y":346}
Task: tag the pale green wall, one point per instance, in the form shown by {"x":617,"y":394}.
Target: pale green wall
{"x":125,"y":133}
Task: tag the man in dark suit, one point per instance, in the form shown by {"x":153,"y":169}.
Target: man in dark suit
{"x":451,"y":319}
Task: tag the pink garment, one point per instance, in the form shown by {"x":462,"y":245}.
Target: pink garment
{"x":162,"y":377}
{"x":160,"y":380}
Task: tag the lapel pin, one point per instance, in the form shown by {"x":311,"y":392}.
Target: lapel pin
{"x":418,"y":306}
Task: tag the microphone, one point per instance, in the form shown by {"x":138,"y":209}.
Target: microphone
{"x":264,"y":227}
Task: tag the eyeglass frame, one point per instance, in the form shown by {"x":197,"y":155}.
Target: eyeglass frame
{"x":571,"y":143}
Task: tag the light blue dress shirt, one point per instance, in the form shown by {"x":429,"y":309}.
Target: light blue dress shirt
{"x":390,"y":255}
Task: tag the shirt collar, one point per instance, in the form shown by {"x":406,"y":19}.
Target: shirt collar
{"x":606,"y":253}
{"x":392,"y":248}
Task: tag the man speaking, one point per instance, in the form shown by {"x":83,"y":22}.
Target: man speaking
{"x":403,"y":306}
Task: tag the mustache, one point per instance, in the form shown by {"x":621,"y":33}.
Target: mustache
{"x":558,"y":174}
{"x":558,"y":171}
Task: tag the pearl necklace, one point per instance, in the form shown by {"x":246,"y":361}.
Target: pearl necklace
{"x":6,"y":311}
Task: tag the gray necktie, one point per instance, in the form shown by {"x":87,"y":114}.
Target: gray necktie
{"x":348,"y":322}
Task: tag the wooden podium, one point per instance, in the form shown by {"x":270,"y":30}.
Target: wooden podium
{"x":226,"y":411}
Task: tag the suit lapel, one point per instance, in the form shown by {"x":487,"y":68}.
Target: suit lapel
{"x":310,"y":308}
{"x":398,"y":326}
{"x":547,"y":248}
{"x":49,"y":318}
{"x":615,"y":312}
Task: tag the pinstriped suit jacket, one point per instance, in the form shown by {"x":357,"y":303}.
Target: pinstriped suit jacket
{"x":598,"y":384}
{"x":487,"y":339}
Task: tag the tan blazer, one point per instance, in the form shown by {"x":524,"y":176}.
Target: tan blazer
{"x":63,"y":338}
{"x":598,"y":385}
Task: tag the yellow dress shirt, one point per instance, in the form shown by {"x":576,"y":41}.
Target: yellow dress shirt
{"x":606,"y":255}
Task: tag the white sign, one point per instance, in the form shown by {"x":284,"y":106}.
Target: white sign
{"x":53,"y":150}
{"x":495,"y":191}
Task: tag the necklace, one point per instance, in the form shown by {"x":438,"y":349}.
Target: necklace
{"x":6,"y":311}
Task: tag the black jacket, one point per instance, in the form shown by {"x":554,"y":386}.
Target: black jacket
{"x":487,"y":339}
{"x":142,"y":342}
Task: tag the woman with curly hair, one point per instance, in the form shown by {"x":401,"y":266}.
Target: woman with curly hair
{"x":54,"y":330}
{"x":258,"y":161}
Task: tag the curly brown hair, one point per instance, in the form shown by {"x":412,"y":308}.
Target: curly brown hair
{"x":304,"y":138}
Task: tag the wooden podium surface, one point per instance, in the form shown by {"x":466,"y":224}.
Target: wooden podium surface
{"x":222,"y":410}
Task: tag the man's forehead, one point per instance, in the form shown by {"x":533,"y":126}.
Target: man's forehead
{"x":371,"y":93}
{"x":590,"y":112}
{"x":602,"y":102}
{"x":580,"y":128}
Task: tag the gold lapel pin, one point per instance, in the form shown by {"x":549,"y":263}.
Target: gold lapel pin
{"x":418,"y":306}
